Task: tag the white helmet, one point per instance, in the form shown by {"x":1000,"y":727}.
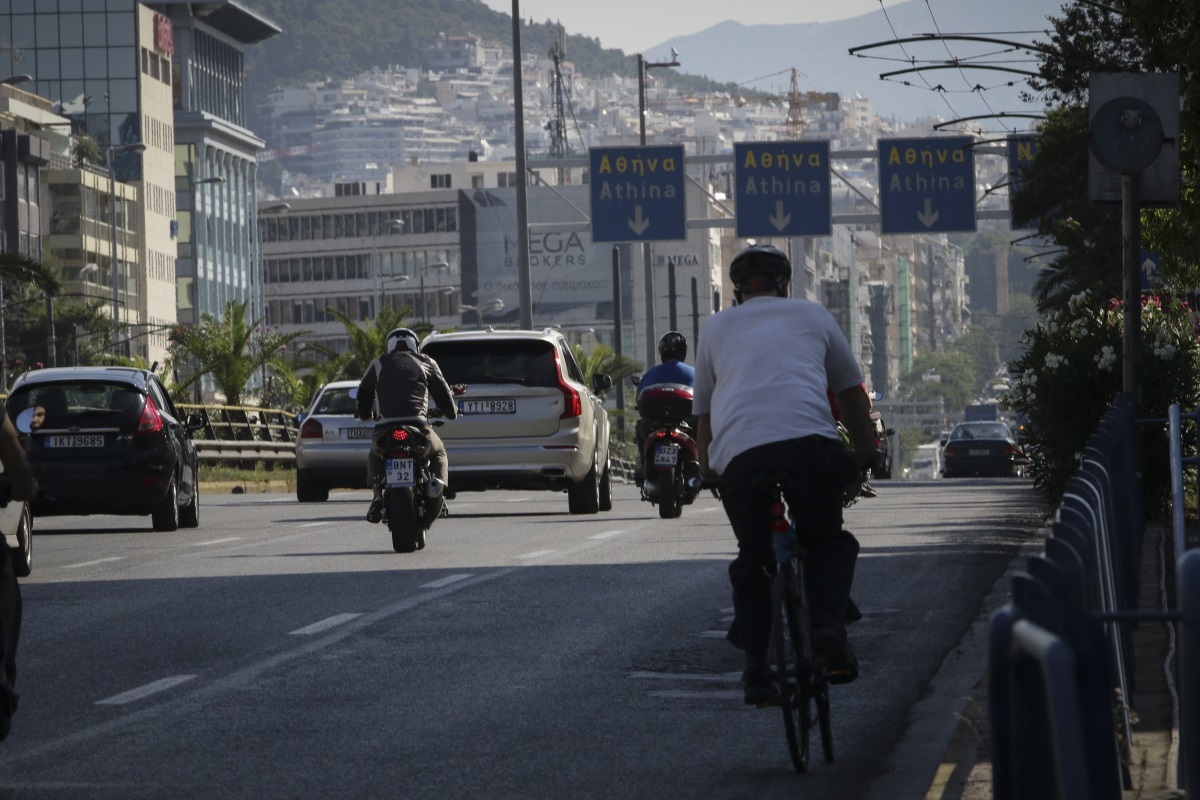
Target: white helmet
{"x":399,"y":338}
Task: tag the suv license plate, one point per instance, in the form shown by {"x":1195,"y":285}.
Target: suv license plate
{"x":666,"y":456}
{"x":487,"y":406}
{"x":94,"y":440}
{"x":399,"y":472}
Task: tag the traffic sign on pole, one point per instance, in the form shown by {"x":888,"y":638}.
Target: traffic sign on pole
{"x":927,"y":185}
{"x":638,"y":194}
{"x":782,"y":189}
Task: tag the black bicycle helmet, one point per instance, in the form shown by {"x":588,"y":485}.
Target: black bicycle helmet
{"x":672,"y":345}
{"x":401,"y":338}
{"x":760,"y":267}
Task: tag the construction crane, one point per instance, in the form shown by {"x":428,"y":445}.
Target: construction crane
{"x":797,"y":101}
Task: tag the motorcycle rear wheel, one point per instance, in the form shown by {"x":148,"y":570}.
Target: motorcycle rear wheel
{"x":401,"y":521}
{"x":668,"y":501}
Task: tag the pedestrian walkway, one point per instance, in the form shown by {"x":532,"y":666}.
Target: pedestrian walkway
{"x":966,"y":770}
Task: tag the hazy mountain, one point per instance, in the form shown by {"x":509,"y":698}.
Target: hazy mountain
{"x":735,"y":53}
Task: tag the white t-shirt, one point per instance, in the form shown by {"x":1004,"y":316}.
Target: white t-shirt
{"x":763,"y":369}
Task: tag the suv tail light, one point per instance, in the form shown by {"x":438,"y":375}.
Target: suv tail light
{"x":572,"y":403}
{"x":151,"y":421}
{"x":311,"y":429}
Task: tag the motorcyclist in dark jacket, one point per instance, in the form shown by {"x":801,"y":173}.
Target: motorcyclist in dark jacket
{"x":402,"y":380}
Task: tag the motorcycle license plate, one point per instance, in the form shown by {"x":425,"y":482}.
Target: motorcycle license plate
{"x":666,"y":456}
{"x":400,"y":472}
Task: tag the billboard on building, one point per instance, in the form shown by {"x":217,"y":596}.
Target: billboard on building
{"x":567,"y":269}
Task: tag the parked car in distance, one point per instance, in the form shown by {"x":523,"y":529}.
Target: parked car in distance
{"x":528,"y":418}
{"x":108,"y":440}
{"x":332,"y":450}
{"x":982,"y":448}
{"x":16,"y":524}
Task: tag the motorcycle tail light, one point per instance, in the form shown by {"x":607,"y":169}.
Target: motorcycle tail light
{"x":151,"y":421}
{"x":659,"y":435}
{"x":399,"y":435}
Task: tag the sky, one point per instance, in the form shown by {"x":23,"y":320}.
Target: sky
{"x":634,"y":25}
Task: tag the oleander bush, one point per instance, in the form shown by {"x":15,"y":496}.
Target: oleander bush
{"x":1072,"y":371}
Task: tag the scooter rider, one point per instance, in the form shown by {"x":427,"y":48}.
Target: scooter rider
{"x":402,"y":380}
{"x":672,"y":350}
{"x":762,"y":371}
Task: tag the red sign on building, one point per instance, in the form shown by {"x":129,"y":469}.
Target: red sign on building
{"x":164,"y":34}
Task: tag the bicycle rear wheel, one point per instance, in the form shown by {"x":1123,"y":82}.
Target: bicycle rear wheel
{"x":792,"y":654}
{"x":821,"y":696}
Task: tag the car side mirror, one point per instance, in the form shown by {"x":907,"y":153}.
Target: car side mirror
{"x":601,"y":382}
{"x":300,"y":417}
{"x":24,"y":420}
{"x":195,"y":422}
{"x":890,"y":432}
{"x":635,"y":379}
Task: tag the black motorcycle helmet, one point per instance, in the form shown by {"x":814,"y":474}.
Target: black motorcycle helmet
{"x":760,"y":267}
{"x":672,"y":345}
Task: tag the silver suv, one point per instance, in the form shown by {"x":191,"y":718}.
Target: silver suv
{"x":528,"y":419}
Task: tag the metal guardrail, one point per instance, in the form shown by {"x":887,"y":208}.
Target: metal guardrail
{"x":1060,"y":654}
{"x":245,"y":433}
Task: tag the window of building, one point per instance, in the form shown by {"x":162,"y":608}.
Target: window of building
{"x":439,"y":181}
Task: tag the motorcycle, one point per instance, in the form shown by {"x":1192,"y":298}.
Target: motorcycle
{"x":670,"y":454}
{"x":411,"y":501}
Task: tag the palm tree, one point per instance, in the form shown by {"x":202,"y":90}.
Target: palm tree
{"x":366,"y":342}
{"x":22,"y":269}
{"x":604,"y":359}
{"x":231,"y":349}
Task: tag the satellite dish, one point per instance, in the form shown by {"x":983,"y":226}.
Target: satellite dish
{"x":1127,"y":134}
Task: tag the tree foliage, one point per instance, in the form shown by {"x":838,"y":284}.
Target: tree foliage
{"x":231,"y":349}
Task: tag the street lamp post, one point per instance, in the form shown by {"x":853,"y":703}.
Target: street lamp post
{"x":113,"y":149}
{"x":495,"y":304}
{"x":377,"y":273}
{"x":647,"y":270}
{"x":422,"y":270}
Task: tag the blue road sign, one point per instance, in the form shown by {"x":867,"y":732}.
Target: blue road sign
{"x":927,"y":185}
{"x":1022,"y":147}
{"x":1150,"y":269}
{"x":782,"y":189}
{"x":638,"y":194}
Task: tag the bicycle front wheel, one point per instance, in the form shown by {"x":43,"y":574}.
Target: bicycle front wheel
{"x":792,"y":653}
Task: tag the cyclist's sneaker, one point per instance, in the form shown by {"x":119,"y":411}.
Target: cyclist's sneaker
{"x":375,"y":511}
{"x":840,"y":660}
{"x":8,"y":707}
{"x":866,"y":491}
{"x":759,"y":689}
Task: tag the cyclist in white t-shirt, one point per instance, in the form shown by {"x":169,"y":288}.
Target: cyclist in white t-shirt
{"x":762,"y":371}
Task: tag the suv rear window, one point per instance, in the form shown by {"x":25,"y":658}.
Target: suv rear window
{"x":529,"y":363}
{"x":84,"y":405}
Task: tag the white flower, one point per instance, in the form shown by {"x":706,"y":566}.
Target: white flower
{"x":1053,"y":361}
{"x":1106,"y":358}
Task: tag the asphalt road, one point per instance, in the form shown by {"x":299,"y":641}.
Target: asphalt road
{"x":282,"y":650}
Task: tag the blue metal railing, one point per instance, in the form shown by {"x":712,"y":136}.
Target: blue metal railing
{"x":1060,"y":655}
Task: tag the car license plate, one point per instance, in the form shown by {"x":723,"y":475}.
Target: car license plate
{"x":358,"y":433}
{"x":399,"y":472}
{"x":487,"y":406}
{"x":93,"y":440}
{"x":666,"y":456}
{"x":977,"y":452}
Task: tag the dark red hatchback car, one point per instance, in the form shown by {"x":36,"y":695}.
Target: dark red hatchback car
{"x":108,"y":440}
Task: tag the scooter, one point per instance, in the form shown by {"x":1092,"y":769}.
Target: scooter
{"x":411,"y":499}
{"x":670,"y":455}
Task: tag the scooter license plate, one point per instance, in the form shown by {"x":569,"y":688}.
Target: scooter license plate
{"x":666,"y":456}
{"x":400,"y":472}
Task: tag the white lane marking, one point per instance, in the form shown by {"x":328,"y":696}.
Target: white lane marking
{"x":218,"y":541}
{"x":315,"y":524}
{"x":606,"y":535}
{"x":446,"y":581}
{"x":536,"y":554}
{"x":517,"y":500}
{"x":145,"y":691}
{"x":92,"y":563}
{"x":723,"y":677}
{"x":324,"y":625}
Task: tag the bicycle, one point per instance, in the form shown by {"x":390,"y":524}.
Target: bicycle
{"x":801,"y":673}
